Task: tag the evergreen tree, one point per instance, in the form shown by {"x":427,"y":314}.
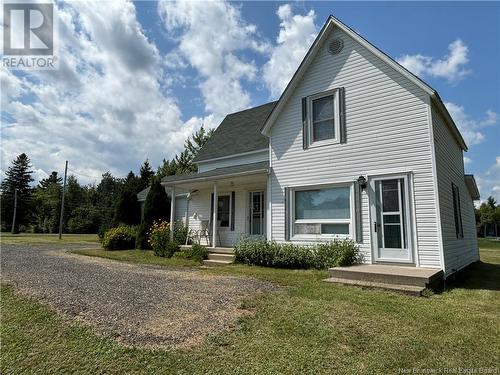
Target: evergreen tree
{"x":491,"y":202}
{"x":184,"y":162}
{"x":146,"y":173}
{"x":132,"y":183}
{"x":47,"y":207}
{"x":197,"y":140}
{"x":168,"y":168}
{"x":157,"y":205}
{"x":74,"y":198}
{"x":107,"y":194}
{"x":18,"y":176}
{"x":128,"y":210}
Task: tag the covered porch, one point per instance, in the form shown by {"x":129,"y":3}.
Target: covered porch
{"x":222,"y":204}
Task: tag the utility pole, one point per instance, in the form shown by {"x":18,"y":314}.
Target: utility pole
{"x":62,"y":201}
{"x":13,"y":230}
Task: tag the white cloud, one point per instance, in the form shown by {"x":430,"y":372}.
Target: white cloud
{"x":450,"y":67}
{"x":471,"y":128}
{"x":212,"y":37}
{"x":104,"y":109}
{"x":467,"y":160}
{"x":297,"y":33}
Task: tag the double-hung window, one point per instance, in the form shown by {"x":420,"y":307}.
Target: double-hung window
{"x":322,"y":212}
{"x":324,"y":121}
{"x":223,"y":210}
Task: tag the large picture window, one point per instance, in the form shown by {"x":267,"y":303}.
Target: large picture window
{"x":322,"y":212}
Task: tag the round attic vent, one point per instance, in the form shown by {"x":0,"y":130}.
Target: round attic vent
{"x":335,"y":46}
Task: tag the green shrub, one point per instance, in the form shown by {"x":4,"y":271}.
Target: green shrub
{"x":168,"y":250}
{"x":336,"y":253}
{"x":183,"y":254}
{"x":159,"y":237}
{"x":142,"y":239}
{"x":198,"y":252}
{"x":180,"y":233}
{"x":120,"y":238}
{"x":286,"y":255}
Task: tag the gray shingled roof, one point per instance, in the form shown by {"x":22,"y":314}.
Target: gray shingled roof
{"x":219,"y":172}
{"x":141,"y":196}
{"x":239,"y":132}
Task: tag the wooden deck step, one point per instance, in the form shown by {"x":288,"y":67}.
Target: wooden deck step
{"x":405,"y":289}
{"x":389,"y":274}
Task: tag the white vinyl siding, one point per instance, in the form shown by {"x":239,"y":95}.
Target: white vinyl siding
{"x":249,"y":158}
{"x":388,"y":131}
{"x":199,"y":209}
{"x":458,"y":252}
{"x":180,"y":209}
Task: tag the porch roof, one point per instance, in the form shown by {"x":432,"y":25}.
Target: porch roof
{"x":219,"y":173}
{"x":470,"y":182}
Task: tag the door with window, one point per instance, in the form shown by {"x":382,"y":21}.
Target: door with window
{"x":257,"y":221}
{"x":391,"y":221}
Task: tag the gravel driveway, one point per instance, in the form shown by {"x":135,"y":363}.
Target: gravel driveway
{"x":137,"y":304}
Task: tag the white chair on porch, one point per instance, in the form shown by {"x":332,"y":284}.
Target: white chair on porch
{"x":206,"y":232}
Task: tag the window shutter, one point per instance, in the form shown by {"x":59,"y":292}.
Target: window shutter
{"x":305,"y":132}
{"x":233,"y":204}
{"x":211,"y":209}
{"x":342,"y":126}
{"x":461,"y":228}
{"x":287,"y":214}
{"x":357,"y":212}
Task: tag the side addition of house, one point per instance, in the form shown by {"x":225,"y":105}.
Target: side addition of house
{"x":356,"y":147}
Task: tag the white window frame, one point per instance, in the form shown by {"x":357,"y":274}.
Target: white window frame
{"x":336,"y":118}
{"x":322,"y":237}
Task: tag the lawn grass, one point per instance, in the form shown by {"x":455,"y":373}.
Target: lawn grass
{"x":39,"y":239}
{"x":308,"y":327}
{"x":137,"y":256}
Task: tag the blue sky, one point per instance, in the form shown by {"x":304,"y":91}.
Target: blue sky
{"x":97,"y":113}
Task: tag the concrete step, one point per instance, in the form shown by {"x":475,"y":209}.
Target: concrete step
{"x":209,"y":262}
{"x":221,"y":250}
{"x":388,"y":274}
{"x":219,"y":256}
{"x":400,"y":288}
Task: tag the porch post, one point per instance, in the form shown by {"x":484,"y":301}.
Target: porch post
{"x":214,"y":218}
{"x":172,"y":213}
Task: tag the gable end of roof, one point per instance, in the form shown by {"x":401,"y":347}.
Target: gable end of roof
{"x":331,"y":22}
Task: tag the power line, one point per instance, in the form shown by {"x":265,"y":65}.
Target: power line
{"x":84,"y":175}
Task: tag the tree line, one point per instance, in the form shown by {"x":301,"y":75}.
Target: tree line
{"x":90,"y":208}
{"x":488,"y":218}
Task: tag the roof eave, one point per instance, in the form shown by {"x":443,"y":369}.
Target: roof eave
{"x":470,"y":182}
{"x":217,"y":177}
{"x":449,"y":120}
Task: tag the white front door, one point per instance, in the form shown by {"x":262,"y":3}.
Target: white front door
{"x":391,"y":221}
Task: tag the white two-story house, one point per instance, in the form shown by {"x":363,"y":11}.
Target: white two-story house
{"x":356,"y":147}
